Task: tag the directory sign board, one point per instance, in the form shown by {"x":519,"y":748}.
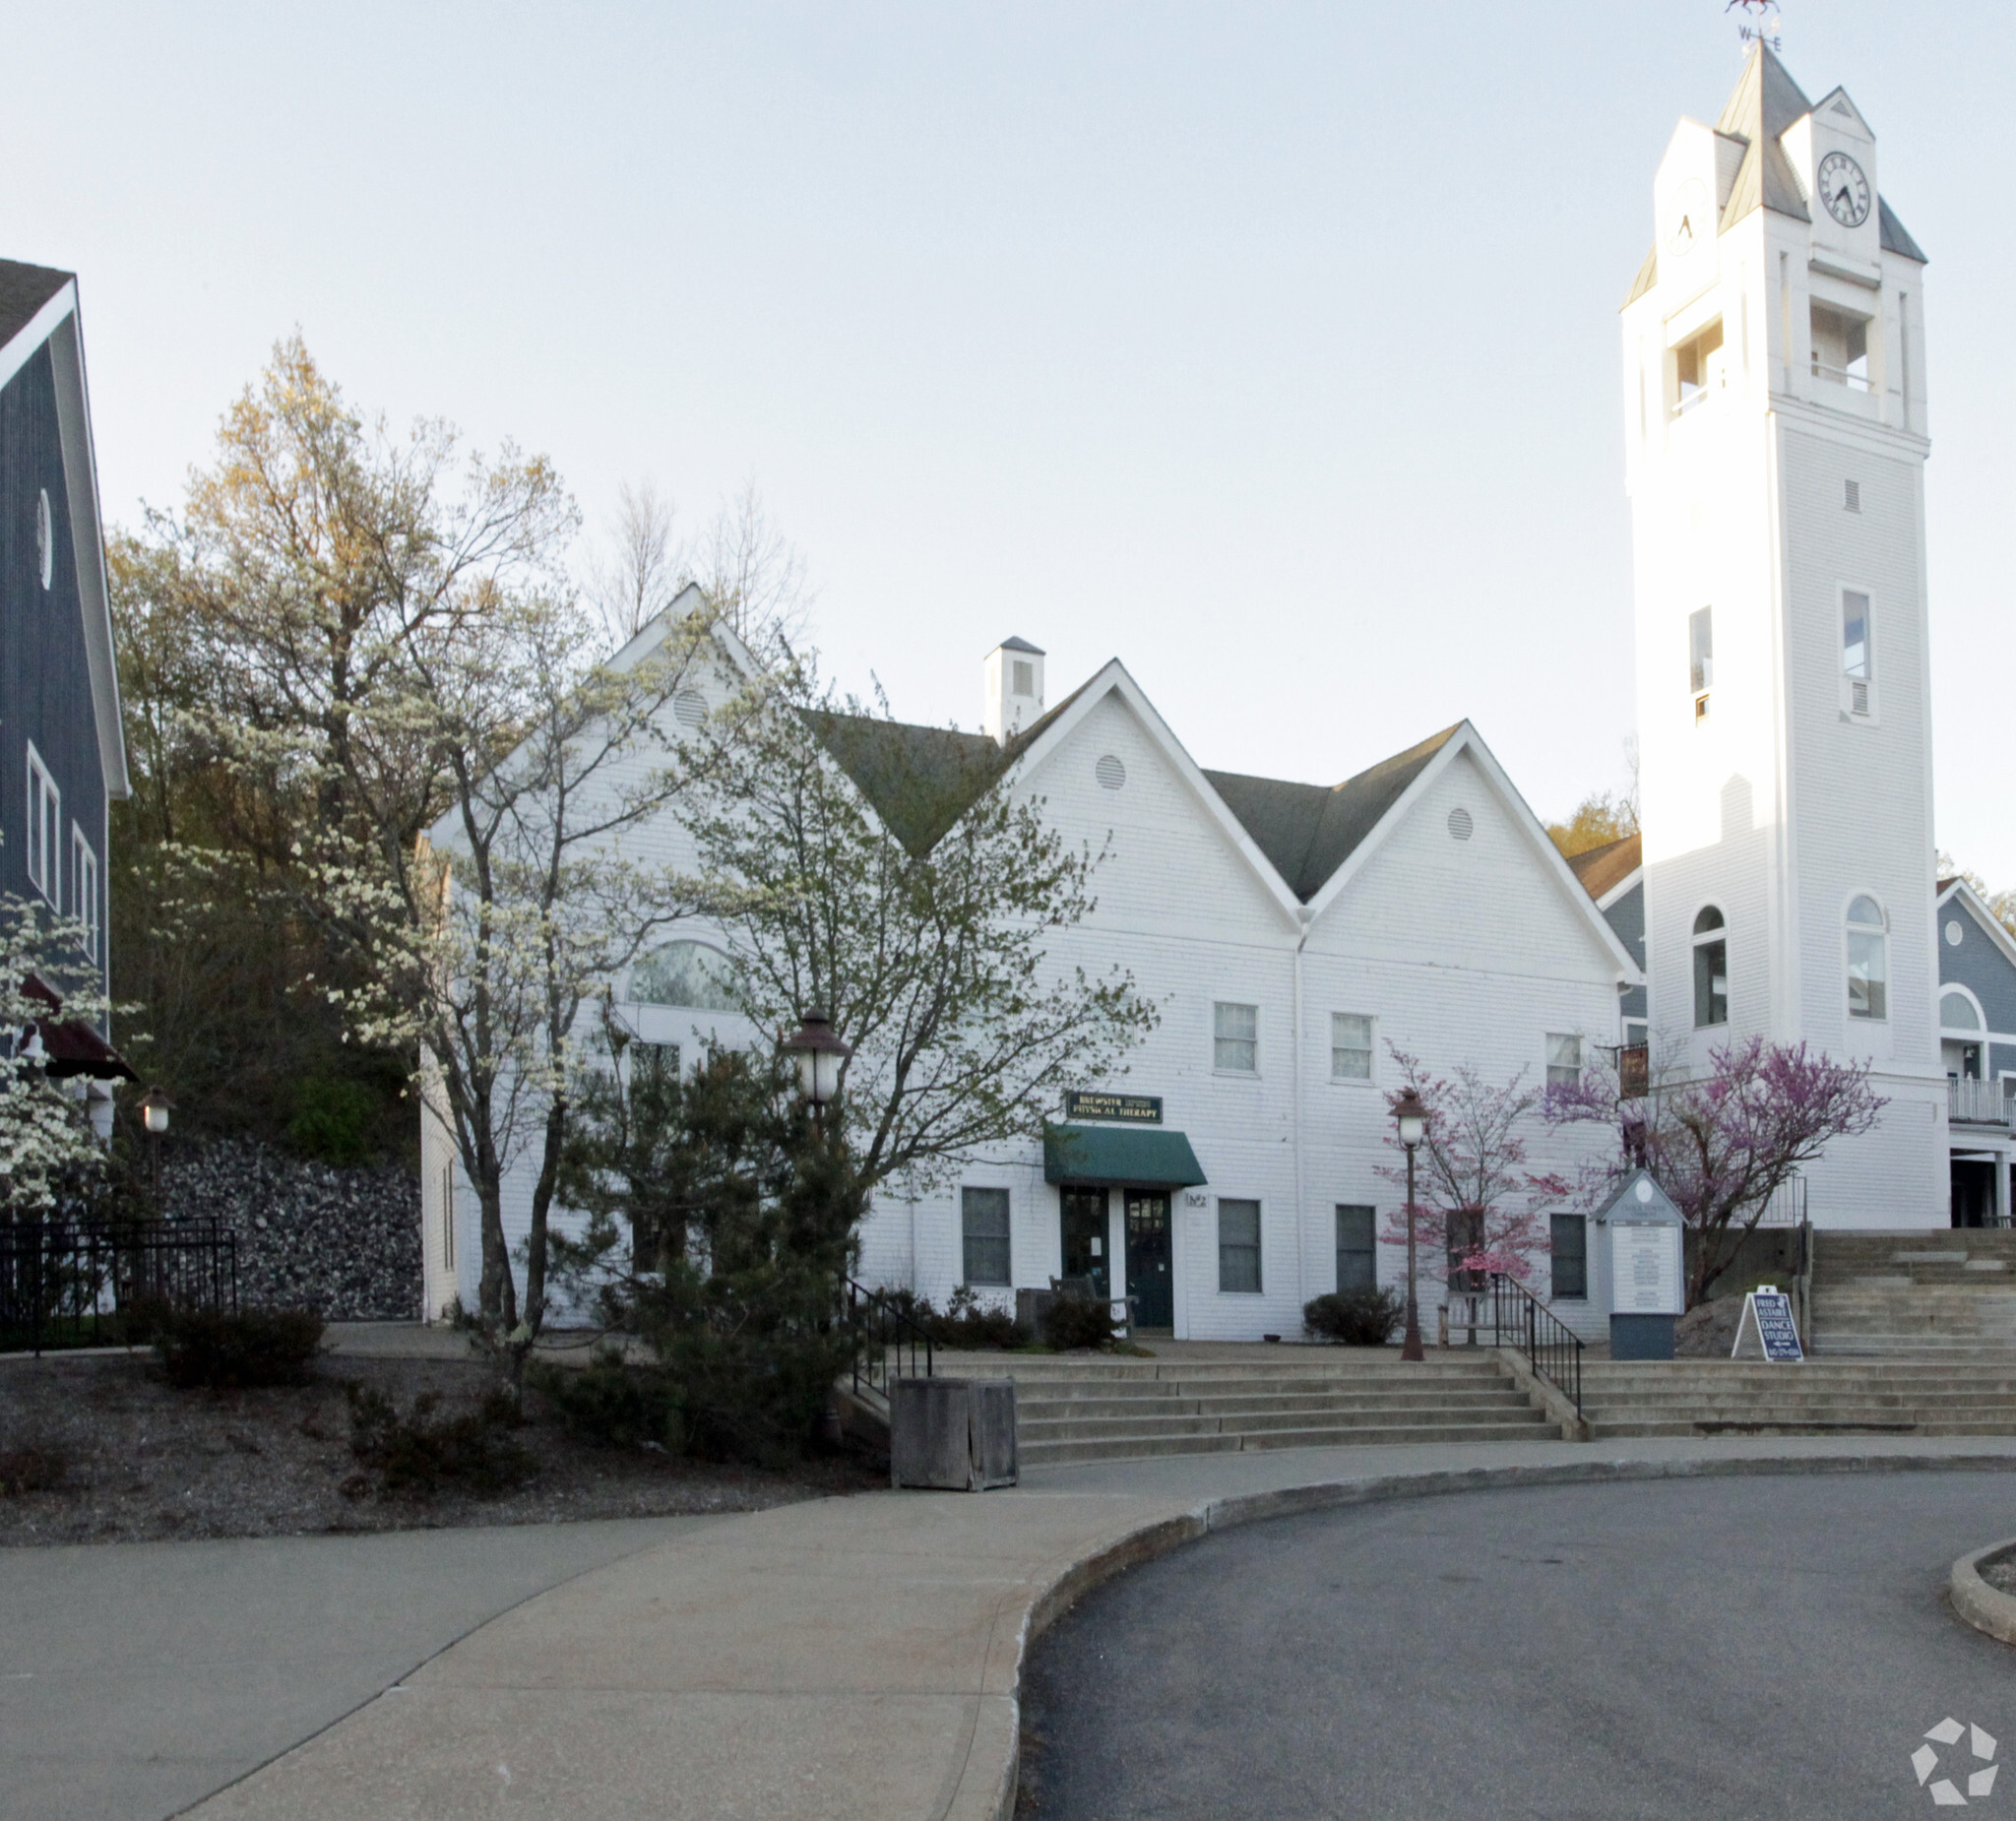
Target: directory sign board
{"x":1768,"y":1326}
{"x":1645,"y":1267}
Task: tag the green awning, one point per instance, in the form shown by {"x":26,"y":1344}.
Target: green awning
{"x":1152,"y":1160}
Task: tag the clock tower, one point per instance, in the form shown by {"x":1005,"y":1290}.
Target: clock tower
{"x":1776,"y":437}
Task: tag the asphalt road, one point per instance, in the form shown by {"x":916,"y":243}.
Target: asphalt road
{"x":1709,"y":1649}
{"x":137,"y":1678}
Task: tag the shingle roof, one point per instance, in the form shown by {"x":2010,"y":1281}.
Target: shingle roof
{"x":23,"y":289}
{"x":1308,"y":831}
{"x":1602,"y":868}
{"x":1895,"y":237}
{"x":921,"y":779}
{"x":1020,"y":644}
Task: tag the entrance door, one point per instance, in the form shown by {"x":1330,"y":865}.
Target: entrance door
{"x":1085,"y":1239}
{"x":1974,"y":1192}
{"x":1149,"y":1278}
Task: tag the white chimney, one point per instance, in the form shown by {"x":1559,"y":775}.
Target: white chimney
{"x":1015,"y":688}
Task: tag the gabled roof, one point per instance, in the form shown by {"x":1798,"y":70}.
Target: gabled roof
{"x":1602,"y":869}
{"x":24,"y":291}
{"x":37,"y":308}
{"x":1013,"y":643}
{"x":1949,"y":891}
{"x":1895,"y":238}
{"x":1308,"y":831}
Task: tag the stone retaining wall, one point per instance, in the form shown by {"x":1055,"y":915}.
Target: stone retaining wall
{"x":345,"y":1243}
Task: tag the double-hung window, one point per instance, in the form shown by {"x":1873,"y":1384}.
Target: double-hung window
{"x":1351,"y":1047}
{"x":1357,"y":1258}
{"x":1236,"y":1039}
{"x":1564,"y":1059}
{"x":84,"y":888}
{"x":1238,"y":1245}
{"x":984,"y":1224}
{"x":45,"y":829}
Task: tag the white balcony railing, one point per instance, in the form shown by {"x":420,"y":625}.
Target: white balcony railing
{"x":1841,"y":376}
{"x":1976,"y":1103}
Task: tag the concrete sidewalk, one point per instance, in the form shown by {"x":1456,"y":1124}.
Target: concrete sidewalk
{"x":136,"y":1678}
{"x":861,"y":1657}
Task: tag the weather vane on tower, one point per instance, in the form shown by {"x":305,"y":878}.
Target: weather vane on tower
{"x":1759,"y":24}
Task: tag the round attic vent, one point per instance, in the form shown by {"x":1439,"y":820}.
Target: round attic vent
{"x":45,"y":537}
{"x":1459,"y":824}
{"x":1110,"y":772}
{"x":691,"y":708}
{"x":1953,"y":934}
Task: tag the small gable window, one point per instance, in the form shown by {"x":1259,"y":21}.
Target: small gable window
{"x":1957,"y":1013}
{"x":1711,"y":970}
{"x":686,"y":973}
{"x":1868,"y":960}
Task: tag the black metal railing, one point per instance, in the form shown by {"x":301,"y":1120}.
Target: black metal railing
{"x":1551,"y":1347}
{"x":90,"y":1283}
{"x":889,"y":1342}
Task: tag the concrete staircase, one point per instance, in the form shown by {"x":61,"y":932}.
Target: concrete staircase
{"x":1890,"y":1396}
{"x":1933,"y":1292}
{"x":1089,"y":1408}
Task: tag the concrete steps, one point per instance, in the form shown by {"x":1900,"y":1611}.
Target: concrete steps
{"x":1928,"y":1292}
{"x":1088,"y":1408}
{"x":1917,"y":1396}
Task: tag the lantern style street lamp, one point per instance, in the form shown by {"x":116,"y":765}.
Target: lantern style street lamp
{"x":1410,"y":1116}
{"x":153,"y":1114}
{"x":820,"y":1051}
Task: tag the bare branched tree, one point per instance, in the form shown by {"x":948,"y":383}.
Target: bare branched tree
{"x":752,"y":575}
{"x":639,"y":566}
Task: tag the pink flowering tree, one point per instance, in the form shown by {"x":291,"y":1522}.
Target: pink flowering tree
{"x":1470,"y":1170}
{"x":1722,"y":1145}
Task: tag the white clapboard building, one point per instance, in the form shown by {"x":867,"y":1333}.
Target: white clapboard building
{"x":1290,"y":934}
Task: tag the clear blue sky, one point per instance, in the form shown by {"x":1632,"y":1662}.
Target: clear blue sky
{"x":1272,"y":348}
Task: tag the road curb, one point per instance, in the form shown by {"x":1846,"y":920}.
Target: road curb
{"x":1984,"y":1608}
{"x":1166,"y":1535}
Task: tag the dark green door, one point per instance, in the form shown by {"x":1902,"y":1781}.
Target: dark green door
{"x":1150,"y":1282}
{"x":1085,"y":1238}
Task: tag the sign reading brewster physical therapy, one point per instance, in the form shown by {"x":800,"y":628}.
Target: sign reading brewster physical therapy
{"x":1125,"y":1108}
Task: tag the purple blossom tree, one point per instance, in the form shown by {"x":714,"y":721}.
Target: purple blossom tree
{"x":1471,"y":1168}
{"x":1720,"y":1145}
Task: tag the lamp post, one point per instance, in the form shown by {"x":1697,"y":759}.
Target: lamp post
{"x":1410,"y":1116}
{"x":820,"y":1053}
{"x":153,"y":1114}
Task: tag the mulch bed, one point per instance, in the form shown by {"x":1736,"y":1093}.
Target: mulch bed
{"x":134,"y":1459}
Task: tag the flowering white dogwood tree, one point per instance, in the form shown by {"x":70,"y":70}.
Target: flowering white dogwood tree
{"x":46,"y":1145}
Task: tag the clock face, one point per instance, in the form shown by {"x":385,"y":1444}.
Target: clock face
{"x":1843,"y":189}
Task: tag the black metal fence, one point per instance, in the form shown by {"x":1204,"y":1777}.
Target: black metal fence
{"x":888,"y":1344}
{"x":1551,"y":1347}
{"x":93,"y":1283}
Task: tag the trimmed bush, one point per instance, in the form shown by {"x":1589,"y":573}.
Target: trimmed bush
{"x":204,"y":1347}
{"x":611,"y":1405}
{"x":963,"y":1322}
{"x":1355,"y":1317}
{"x":419,"y":1452}
{"x":1072,"y":1323}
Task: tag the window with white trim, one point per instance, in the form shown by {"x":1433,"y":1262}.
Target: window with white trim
{"x":1857,"y":649}
{"x":1564,"y":1059}
{"x":1236,"y":1039}
{"x":1868,"y":960}
{"x":1357,"y":1250}
{"x":983,"y":1234}
{"x":1351,"y":1047}
{"x":1239,"y":1247}
{"x":1711,"y":970}
{"x":84,"y":888}
{"x":45,"y":829}
{"x":1701,"y":659}
{"x":1568,"y":1247}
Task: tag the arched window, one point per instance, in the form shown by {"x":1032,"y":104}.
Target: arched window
{"x":686,"y":973}
{"x":1711,"y":970}
{"x":1868,"y":960}
{"x":1957,"y":1013}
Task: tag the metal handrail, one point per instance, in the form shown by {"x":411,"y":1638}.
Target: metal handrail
{"x":1840,"y":376}
{"x":1551,"y":1347}
{"x":885,"y":1336}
